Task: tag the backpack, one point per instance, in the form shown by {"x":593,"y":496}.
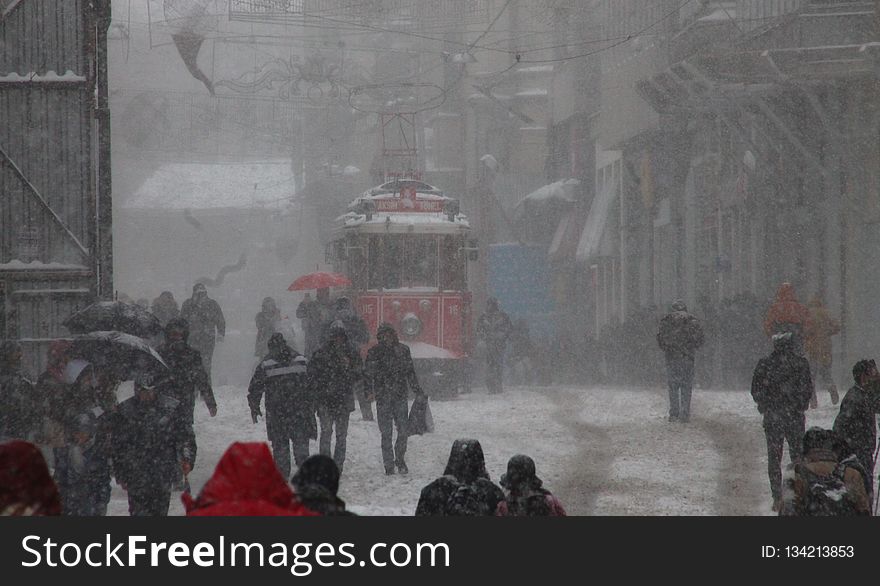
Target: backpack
{"x":826,"y":496}
{"x":467,"y":501}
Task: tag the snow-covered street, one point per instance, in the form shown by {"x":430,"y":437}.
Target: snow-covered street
{"x":603,"y":451}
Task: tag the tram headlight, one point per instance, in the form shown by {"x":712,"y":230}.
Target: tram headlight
{"x":411,"y":325}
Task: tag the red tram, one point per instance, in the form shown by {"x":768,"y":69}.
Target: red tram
{"x":405,"y":247}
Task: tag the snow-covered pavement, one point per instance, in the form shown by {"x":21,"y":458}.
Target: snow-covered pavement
{"x":603,"y":451}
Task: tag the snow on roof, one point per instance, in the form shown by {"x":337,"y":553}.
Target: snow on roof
{"x":36,"y":265}
{"x":395,"y":221}
{"x":216,"y":185}
{"x":49,"y":76}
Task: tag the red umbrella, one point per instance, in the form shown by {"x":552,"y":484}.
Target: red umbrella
{"x":319,"y":280}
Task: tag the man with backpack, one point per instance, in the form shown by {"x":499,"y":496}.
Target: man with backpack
{"x":829,"y":481}
{"x":679,"y":337}
{"x":526,"y":495}
{"x":781,"y":388}
{"x":465,"y":489}
{"x":856,"y":422}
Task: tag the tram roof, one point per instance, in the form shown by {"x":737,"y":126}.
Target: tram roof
{"x":402,"y":223}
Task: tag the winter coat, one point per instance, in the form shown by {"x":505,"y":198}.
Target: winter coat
{"x":313,"y":315}
{"x":204,"y":317}
{"x":781,"y":383}
{"x":83,"y":475}
{"x":679,"y":335}
{"x":290,"y":402}
{"x":856,"y":423}
{"x":266,"y":322}
{"x":188,"y":378}
{"x":26,"y":487}
{"x":246,"y":483}
{"x":149,"y":441}
{"x":21,"y":412}
{"x":466,"y":466}
{"x":494,"y":329}
{"x":165,"y":308}
{"x":524,"y":505}
{"x":822,"y":462}
{"x":820,"y":328}
{"x":332,"y":372}
{"x":390,"y":373}
{"x":434,"y":499}
{"x":786,"y":313}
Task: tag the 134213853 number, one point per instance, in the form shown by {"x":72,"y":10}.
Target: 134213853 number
{"x":819,"y":551}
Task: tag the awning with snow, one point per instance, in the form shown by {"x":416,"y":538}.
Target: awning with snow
{"x":559,"y":191}
{"x":180,"y":186}
{"x":591,"y":237}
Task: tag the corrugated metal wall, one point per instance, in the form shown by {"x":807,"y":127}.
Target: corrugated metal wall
{"x":47,"y":139}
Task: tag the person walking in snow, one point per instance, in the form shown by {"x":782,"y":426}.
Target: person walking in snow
{"x":821,"y":327}
{"x":787,"y":314}
{"x":390,"y":376}
{"x":333,"y":371}
{"x":781,"y":388}
{"x":494,"y":329}
{"x":267,"y":324}
{"x":465,"y":488}
{"x":856,"y":422}
{"x":206,"y":323}
{"x":282,"y":376}
{"x":679,"y":336}
{"x":526,"y":495}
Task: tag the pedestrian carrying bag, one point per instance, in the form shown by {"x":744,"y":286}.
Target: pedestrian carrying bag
{"x":826,"y":496}
{"x":420,"y":420}
{"x":466,"y":501}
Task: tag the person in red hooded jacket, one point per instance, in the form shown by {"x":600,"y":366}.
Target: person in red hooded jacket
{"x":26,"y":487}
{"x":246,"y":483}
{"x":787,"y":314}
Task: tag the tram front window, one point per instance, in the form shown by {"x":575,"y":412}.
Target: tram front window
{"x":386,"y":262}
{"x":421,"y":261}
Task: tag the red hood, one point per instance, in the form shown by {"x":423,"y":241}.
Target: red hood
{"x":25,"y":484}
{"x":245,"y":483}
{"x":786,"y":293}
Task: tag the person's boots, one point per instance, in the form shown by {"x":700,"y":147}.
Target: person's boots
{"x":401,"y":467}
{"x":835,"y":397}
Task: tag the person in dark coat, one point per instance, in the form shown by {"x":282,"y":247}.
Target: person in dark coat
{"x":333,"y":371}
{"x":206,"y":323}
{"x":781,"y":388}
{"x":313,"y":314}
{"x":20,"y":411}
{"x":267,"y":322}
{"x":494,"y":329}
{"x":26,"y":487}
{"x":390,"y":376}
{"x":83,"y":477}
{"x":856,"y":422}
{"x":343,"y":311}
{"x":290,"y":406}
{"x":245,"y":483}
{"x":150,"y":447}
{"x":317,"y":483}
{"x":526,"y":495}
{"x":165,"y":308}
{"x":465,"y":475}
{"x":188,"y":376}
{"x":679,"y":336}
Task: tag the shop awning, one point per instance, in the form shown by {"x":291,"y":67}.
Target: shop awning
{"x":591,"y":237}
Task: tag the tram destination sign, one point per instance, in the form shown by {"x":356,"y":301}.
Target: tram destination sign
{"x":407,"y":205}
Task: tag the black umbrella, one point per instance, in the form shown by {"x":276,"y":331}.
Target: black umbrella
{"x":114,"y":316}
{"x":117,"y":353}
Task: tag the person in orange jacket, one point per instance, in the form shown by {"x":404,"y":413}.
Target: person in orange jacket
{"x":820,"y":329}
{"x":787,"y":314}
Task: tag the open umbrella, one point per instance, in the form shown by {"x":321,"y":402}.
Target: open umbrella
{"x":319,"y":280}
{"x":117,"y":353}
{"x":114,"y":316}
